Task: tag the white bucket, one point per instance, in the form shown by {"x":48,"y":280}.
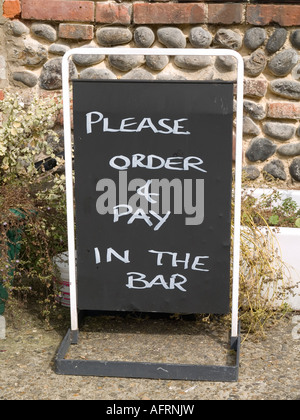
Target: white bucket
{"x":62,"y":263}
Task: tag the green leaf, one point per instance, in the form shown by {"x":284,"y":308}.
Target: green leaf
{"x":274,"y":220}
{"x":297,"y":222}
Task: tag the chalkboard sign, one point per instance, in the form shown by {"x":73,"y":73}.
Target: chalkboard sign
{"x":153,"y":172}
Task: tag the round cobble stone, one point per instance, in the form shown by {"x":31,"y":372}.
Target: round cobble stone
{"x":276,"y":169}
{"x":200,"y":38}
{"x":225,"y":63}
{"x":286,"y":88}
{"x":45,"y":31}
{"x":51,"y":75}
{"x":251,"y":172}
{"x":249,"y":126}
{"x":33,"y":54}
{"x":227,"y":38}
{"x":109,"y":37}
{"x":254,"y":38}
{"x":125,"y":62}
{"x":296,"y":72}
{"x":157,"y":62}
{"x":289,"y":150}
{"x":85,"y":60}
{"x":260,"y":149}
{"x":283,"y":62}
{"x":171,"y":37}
{"x":26,"y":77}
{"x":192,"y":62}
{"x":295,"y":169}
{"x":255,"y":64}
{"x":279,"y":131}
{"x":295,"y":38}
{"x":58,"y":49}
{"x":144,"y":37}
{"x":256,"y":111}
{"x":92,"y":73}
{"x":276,"y":40}
{"x":18,"y":28}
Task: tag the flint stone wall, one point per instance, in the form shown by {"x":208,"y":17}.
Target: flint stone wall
{"x":35,"y":34}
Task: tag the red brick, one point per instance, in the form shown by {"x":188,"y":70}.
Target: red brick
{"x":58,"y":10}
{"x":264,"y":14}
{"x":286,"y":110}
{"x":1,"y":94}
{"x":255,"y":87}
{"x":113,"y":13}
{"x":168,"y":13}
{"x":11,"y":8}
{"x":226,"y":14}
{"x":76,"y":31}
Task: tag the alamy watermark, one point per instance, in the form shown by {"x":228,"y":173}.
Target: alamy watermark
{"x":152,"y":200}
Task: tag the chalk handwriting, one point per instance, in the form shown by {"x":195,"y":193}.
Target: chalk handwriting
{"x":109,"y":253}
{"x":139,"y":160}
{"x":131,"y":125}
{"x":144,"y":191}
{"x":175,"y":261}
{"x":138,"y":281}
{"x":139,"y":214}
{"x":97,"y":122}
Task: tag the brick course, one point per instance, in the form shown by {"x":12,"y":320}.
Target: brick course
{"x":264,"y":14}
{"x":168,"y":13}
{"x":225,"y":13}
{"x":113,"y":13}
{"x":58,"y":10}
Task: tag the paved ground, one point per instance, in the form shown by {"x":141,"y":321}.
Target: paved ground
{"x":269,"y":368}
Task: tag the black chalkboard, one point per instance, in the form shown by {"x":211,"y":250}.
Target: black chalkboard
{"x":153,"y":170}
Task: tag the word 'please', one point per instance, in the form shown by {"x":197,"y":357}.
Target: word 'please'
{"x":132,"y":125}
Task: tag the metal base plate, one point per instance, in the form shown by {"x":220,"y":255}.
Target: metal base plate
{"x":189,"y":372}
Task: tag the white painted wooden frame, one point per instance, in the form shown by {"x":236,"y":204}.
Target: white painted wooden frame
{"x":69,"y":172}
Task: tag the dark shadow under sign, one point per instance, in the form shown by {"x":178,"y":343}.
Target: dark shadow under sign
{"x":153,"y":173}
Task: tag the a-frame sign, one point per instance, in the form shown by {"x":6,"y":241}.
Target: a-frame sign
{"x":153,"y":190}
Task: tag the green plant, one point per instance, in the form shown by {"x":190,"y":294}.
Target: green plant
{"x":275,"y":209}
{"x":264,"y":279}
{"x":32,"y":200}
{"x":23,"y":135}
